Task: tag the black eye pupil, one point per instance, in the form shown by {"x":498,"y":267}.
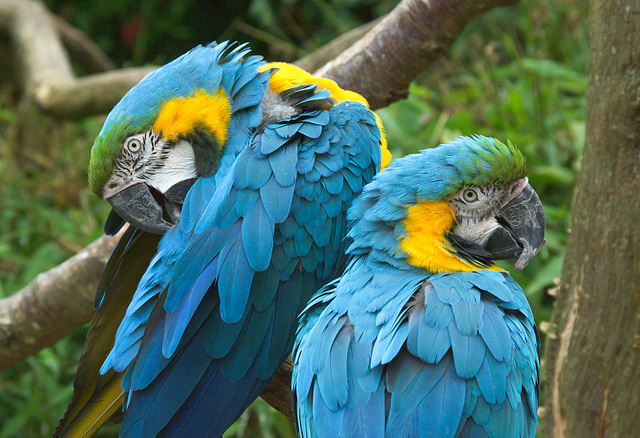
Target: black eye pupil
{"x":134,"y":145}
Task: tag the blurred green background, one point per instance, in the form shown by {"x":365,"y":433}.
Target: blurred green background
{"x":516,"y":73}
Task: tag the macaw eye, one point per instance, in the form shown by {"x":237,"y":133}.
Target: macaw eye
{"x":470,"y":195}
{"x":133,"y":145}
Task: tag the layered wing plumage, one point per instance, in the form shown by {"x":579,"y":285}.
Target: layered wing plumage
{"x":448,"y":355}
{"x":97,"y":397}
{"x":214,"y":316}
{"x":217,"y":66}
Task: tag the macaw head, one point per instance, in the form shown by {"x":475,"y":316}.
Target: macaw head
{"x":172,"y":128}
{"x":456,"y":207}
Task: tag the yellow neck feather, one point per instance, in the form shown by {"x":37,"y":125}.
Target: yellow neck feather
{"x":178,"y":117}
{"x":288,"y":75}
{"x":426,"y":225}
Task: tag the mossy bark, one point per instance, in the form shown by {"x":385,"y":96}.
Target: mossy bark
{"x":592,"y":363}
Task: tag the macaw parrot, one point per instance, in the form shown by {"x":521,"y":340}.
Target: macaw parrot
{"x":423,"y":335}
{"x":235,"y":177}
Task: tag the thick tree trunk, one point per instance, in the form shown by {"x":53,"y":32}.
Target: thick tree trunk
{"x":592,"y":375}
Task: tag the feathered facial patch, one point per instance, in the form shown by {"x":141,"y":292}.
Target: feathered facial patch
{"x":181,"y":116}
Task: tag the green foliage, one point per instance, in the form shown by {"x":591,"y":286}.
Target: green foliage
{"x":47,"y":212}
{"x":261,"y":420}
{"x":517,"y":73}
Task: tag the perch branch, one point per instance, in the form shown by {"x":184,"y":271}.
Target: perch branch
{"x":53,"y":305}
{"x":81,"y":48}
{"x":43,"y":60}
{"x":384,"y":62}
{"x":93,"y":94}
{"x":319,"y":57}
{"x":278,"y":390}
{"x":379,"y":65}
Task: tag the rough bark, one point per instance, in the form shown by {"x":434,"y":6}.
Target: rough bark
{"x":325,"y":54}
{"x":53,"y":305}
{"x":384,"y":62}
{"x":592,"y":375}
{"x":89,"y":95}
{"x":278,"y":391}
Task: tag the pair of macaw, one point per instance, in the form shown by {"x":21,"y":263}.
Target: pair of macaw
{"x":235,"y":177}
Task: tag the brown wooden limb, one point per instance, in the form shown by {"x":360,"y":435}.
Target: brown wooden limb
{"x":278,"y":391}
{"x":43,"y":60}
{"x":319,"y":57}
{"x":382,"y":64}
{"x":98,"y":93}
{"x":93,"y":94}
{"x":54,"y":304}
{"x":47,"y":77}
{"x":81,"y":48}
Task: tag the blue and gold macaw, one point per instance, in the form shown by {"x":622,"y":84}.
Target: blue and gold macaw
{"x":423,"y":335}
{"x":246,"y":169}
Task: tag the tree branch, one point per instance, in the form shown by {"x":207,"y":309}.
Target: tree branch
{"x":331,"y":50}
{"x":93,"y":94}
{"x":81,"y":47}
{"x":417,"y":32}
{"x":278,"y":390}
{"x":54,"y":304}
{"x":380,"y":66}
{"x":41,"y":55}
{"x":592,"y":360}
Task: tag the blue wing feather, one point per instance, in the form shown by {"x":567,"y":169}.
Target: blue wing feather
{"x":468,"y":352}
{"x":221,"y":336}
{"x":234,"y":279}
{"x":446,"y":374}
{"x":283,"y":164}
{"x":176,"y":322}
{"x":276,"y":199}
{"x":240,"y":268}
{"x":245,"y":201}
{"x":257,"y":171}
{"x":257,"y":237}
{"x":327,"y":422}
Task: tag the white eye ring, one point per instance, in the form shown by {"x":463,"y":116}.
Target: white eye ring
{"x":133,"y":145}
{"x":470,"y":195}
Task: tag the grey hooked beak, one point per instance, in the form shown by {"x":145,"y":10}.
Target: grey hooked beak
{"x":137,"y":205}
{"x":521,"y":232}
